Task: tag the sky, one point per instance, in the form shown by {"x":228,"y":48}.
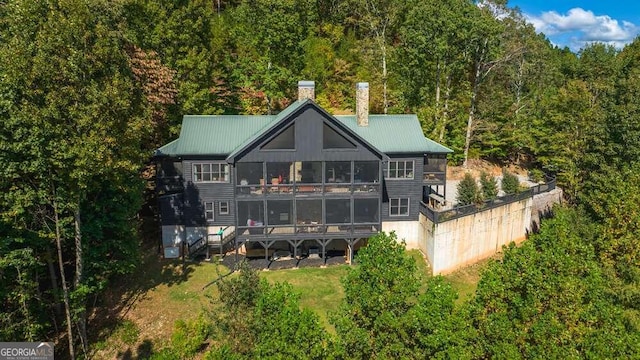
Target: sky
{"x":576,"y":23}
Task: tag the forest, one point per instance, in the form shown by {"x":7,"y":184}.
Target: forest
{"x":89,"y":88}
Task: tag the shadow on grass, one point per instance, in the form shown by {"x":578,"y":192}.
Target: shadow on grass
{"x":112,"y":306}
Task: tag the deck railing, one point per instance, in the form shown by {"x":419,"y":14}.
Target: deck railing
{"x":439,"y":216}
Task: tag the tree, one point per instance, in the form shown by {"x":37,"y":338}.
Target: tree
{"x":549,"y":298}
{"x":260,"y":320}
{"x":73,"y":124}
{"x":510,"y":183}
{"x":468,"y":191}
{"x":488,"y":186}
{"x":380,"y":318}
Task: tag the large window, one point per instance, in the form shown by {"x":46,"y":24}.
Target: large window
{"x":399,"y":206}
{"x":366,"y":171}
{"x":402,"y":169}
{"x":286,"y":140}
{"x":211,"y":172}
{"x":365,"y":210}
{"x":249,"y":173}
{"x":338,"y":211}
{"x":280,"y":212}
{"x":332,"y":140}
{"x":208,"y":211}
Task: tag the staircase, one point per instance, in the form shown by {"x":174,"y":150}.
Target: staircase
{"x":212,"y":241}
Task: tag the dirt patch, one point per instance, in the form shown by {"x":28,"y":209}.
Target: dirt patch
{"x":477,"y":166}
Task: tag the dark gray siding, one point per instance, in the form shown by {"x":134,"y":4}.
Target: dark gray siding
{"x":198,"y":193}
{"x":308,"y":126}
{"x":411,"y":188}
{"x":171,"y":209}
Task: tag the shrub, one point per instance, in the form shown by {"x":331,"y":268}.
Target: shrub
{"x":489,"y":186}
{"x":510,"y":183}
{"x":468,"y":191}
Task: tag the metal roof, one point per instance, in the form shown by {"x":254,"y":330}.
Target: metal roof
{"x":394,"y":134}
{"x":228,"y":134}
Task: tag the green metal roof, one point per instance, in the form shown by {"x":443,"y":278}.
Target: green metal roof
{"x":227,"y":134}
{"x":394,"y":134}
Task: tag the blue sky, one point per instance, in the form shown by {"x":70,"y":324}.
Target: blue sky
{"x":575,"y":23}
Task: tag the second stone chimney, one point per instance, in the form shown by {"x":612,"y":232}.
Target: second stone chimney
{"x":362,"y":103}
{"x":306,"y":90}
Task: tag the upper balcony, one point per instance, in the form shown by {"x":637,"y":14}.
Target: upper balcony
{"x":434,"y":170}
{"x":308,"y":178}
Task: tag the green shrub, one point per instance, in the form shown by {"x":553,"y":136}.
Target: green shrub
{"x":468,"y":191}
{"x":510,"y":183}
{"x":128,"y":332}
{"x":488,"y":186}
{"x":536,"y":175}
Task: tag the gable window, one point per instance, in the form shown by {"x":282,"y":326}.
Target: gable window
{"x":286,"y":140}
{"x":398,"y":206}
{"x":402,"y":169}
{"x":211,"y":172}
{"x":208,"y":211}
{"x":224,"y":208}
{"x":331,"y":139}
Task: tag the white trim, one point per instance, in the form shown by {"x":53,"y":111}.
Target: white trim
{"x":399,"y":206}
{"x":223,"y":170}
{"x":208,"y":212}
{"x":413,"y":170}
{"x":220,"y":208}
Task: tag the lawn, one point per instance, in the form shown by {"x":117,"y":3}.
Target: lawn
{"x":149,"y":303}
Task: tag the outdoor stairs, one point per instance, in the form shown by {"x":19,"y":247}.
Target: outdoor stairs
{"x":218,"y":241}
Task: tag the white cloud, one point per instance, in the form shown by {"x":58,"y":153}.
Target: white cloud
{"x":584,"y":27}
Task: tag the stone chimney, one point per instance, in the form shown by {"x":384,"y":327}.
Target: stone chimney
{"x":362,"y":103}
{"x":306,"y":90}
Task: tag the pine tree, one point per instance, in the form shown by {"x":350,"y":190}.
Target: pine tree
{"x":510,"y":183}
{"x":488,"y":186}
{"x":468,"y":191}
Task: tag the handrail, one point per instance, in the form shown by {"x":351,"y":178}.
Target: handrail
{"x":439,"y":216}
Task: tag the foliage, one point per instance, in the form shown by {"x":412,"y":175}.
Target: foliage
{"x":259,"y":320}
{"x":488,"y":186}
{"x":468,"y":191}
{"x":380,"y":317}
{"x":548,"y":298}
{"x":510,"y":183}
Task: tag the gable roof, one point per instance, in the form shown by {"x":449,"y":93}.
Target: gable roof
{"x":225,"y":135}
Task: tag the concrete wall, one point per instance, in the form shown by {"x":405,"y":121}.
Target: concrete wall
{"x":453,"y":244}
{"x":409,"y":231}
{"x":542,"y":205}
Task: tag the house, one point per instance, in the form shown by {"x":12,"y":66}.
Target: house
{"x":303,"y":180}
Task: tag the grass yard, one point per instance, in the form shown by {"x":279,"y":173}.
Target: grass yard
{"x":140,"y":315}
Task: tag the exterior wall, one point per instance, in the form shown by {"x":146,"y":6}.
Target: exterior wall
{"x":308,"y":134}
{"x":411,"y":188}
{"x":196,"y":194}
{"x":409,"y":231}
{"x":172,"y":235}
{"x":542,"y":206}
{"x":459,"y":242}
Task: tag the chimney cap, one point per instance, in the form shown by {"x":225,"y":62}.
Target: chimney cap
{"x":306,"y":83}
{"x":362,"y":85}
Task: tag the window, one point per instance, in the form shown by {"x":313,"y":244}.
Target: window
{"x":286,"y":140}
{"x":208,"y":211}
{"x":399,"y":207}
{"x":400,"y":169}
{"x":211,"y":172}
{"x":224,"y":208}
{"x":332,"y":140}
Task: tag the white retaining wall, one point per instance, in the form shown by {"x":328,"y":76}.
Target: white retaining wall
{"x":453,"y":244}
